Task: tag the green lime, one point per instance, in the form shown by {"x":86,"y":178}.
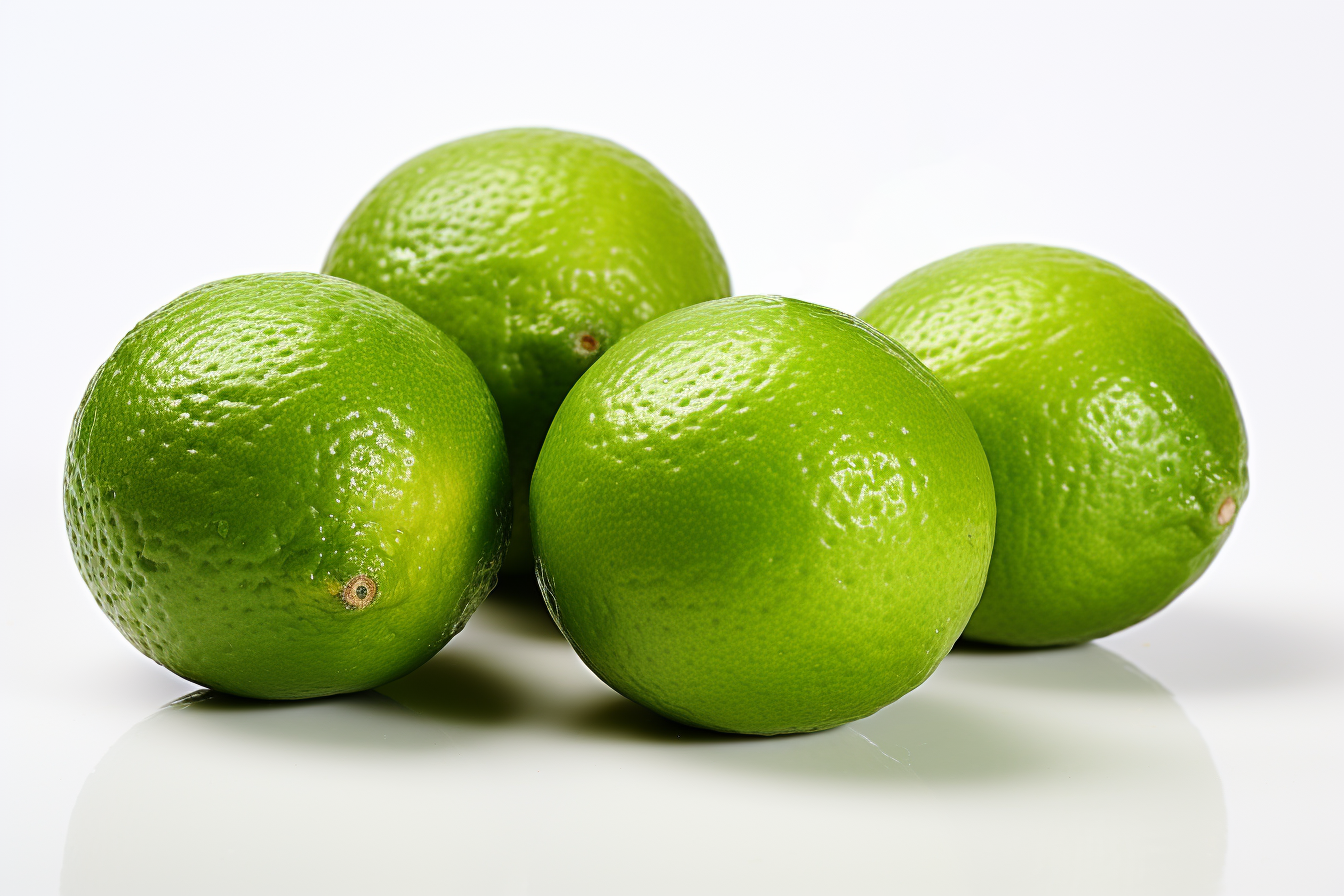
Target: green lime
{"x":286,"y":485}
{"x":535,"y":251}
{"x":760,"y":515}
{"x":1118,"y":450}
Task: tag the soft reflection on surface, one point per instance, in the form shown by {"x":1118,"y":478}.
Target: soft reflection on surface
{"x":503,"y":766}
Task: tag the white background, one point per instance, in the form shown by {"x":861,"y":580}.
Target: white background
{"x":833,"y":148}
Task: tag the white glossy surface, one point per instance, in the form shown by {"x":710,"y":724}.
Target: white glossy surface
{"x":152,"y":148}
{"x":507,"y":761}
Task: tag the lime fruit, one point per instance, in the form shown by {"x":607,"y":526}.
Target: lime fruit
{"x":1118,"y":450}
{"x":534,"y":250}
{"x":759,"y":515}
{"x":287,"y":485}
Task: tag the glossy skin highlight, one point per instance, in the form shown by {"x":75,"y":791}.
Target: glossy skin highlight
{"x":287,"y":485}
{"x":759,"y":515}
{"x":1117,"y":446}
{"x":535,"y":250}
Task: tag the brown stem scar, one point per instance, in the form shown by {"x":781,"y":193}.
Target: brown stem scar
{"x":588,"y":343}
{"x":1226,"y":511}
{"x":359,"y":592}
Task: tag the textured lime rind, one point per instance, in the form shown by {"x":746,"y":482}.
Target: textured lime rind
{"x":760,"y":515}
{"x":535,"y":250}
{"x":1112,"y":431}
{"x":257,"y":443}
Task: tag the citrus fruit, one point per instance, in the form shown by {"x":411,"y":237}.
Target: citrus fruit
{"x":759,"y":515}
{"x":535,"y":250}
{"x":287,"y":485}
{"x":1118,"y":450}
